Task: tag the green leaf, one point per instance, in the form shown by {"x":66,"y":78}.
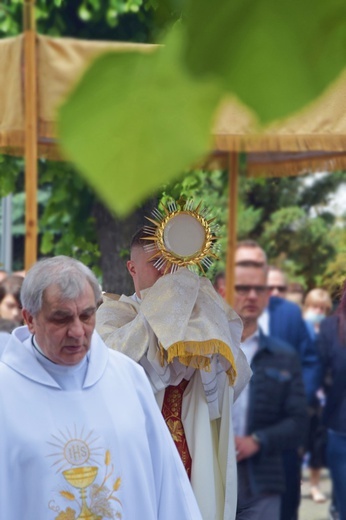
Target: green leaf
{"x":275,"y":55}
{"x":136,"y":121}
{"x":84,"y":13}
{"x":47,"y":243}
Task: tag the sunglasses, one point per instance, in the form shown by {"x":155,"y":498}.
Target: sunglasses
{"x":245,"y":289}
{"x":279,"y":288}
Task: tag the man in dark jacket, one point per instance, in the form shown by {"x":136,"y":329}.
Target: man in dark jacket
{"x":283,"y":319}
{"x":270,"y":415}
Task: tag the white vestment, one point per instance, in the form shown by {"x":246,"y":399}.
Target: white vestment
{"x":97,"y":451}
{"x":4,"y":337}
{"x":182,"y":329}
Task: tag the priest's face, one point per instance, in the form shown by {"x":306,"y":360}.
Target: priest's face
{"x":63,"y":328}
{"x":142,"y":269}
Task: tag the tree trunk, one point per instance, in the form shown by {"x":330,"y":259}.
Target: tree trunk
{"x":114,"y":237}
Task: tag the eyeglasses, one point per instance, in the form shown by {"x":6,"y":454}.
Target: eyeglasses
{"x":279,"y":288}
{"x":243,"y":290}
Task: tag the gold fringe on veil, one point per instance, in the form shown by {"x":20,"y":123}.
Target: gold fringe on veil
{"x":197,"y":354}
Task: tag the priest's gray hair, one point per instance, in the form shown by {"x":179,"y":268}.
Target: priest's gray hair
{"x":68,"y":274}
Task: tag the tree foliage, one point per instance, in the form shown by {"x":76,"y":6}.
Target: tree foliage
{"x":91,"y":19}
{"x":288,"y":217}
{"x":10,"y":170}
{"x":67,"y":222}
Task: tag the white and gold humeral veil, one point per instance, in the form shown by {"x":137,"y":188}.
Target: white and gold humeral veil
{"x":182,"y":328}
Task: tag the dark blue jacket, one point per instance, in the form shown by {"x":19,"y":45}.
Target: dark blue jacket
{"x":333,"y":357}
{"x":277,"y":412}
{"x":286,"y":322}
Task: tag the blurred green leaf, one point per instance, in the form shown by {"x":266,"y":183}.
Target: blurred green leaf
{"x":136,"y":121}
{"x":47,"y":243}
{"x":84,"y":13}
{"x":276,"y":56}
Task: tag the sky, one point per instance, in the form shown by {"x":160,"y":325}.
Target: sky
{"x":337,"y":203}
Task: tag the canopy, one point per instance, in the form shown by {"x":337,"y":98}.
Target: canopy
{"x":313,"y":140}
{"x":36,"y":73}
{"x":60,"y":62}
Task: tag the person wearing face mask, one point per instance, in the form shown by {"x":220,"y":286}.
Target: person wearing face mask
{"x":317,"y":305}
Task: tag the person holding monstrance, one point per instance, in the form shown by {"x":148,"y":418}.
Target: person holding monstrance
{"x":187,"y":340}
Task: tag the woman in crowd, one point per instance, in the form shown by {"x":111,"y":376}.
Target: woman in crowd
{"x":332,"y":347}
{"x":10,"y":305}
{"x":317,"y":306}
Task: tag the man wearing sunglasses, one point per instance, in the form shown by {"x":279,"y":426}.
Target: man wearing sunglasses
{"x":270,"y":415}
{"x":283,"y":319}
{"x":277,"y":282}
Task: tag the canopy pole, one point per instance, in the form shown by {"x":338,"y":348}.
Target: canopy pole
{"x":232,"y":225}
{"x":6,"y":235}
{"x":30,"y":105}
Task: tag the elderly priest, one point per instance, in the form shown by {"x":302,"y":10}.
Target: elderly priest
{"x":82,"y":436}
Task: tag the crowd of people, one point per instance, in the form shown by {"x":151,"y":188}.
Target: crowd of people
{"x":169,"y":403}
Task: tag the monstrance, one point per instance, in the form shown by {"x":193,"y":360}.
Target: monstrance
{"x":182,"y":236}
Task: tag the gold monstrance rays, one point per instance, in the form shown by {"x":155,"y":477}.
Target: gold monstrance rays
{"x":181,"y":236}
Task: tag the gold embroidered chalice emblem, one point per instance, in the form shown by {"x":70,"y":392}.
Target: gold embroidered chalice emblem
{"x":81,"y":478}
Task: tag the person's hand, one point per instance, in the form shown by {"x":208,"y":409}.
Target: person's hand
{"x":246,"y":447}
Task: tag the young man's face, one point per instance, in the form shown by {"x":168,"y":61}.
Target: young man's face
{"x":142,"y":269}
{"x":251,"y":293}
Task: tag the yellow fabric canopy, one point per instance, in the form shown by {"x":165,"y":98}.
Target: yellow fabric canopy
{"x":315,"y":139}
{"x":60,"y":63}
{"x":312,"y":140}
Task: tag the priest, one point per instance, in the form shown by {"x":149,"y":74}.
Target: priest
{"x":187,"y":339}
{"x":81,"y":436}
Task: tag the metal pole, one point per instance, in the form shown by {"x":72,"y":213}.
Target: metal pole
{"x":6,"y":234}
{"x":30,"y":101}
{"x":232,"y":225}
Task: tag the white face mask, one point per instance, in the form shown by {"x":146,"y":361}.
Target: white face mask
{"x":314,"y":317}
